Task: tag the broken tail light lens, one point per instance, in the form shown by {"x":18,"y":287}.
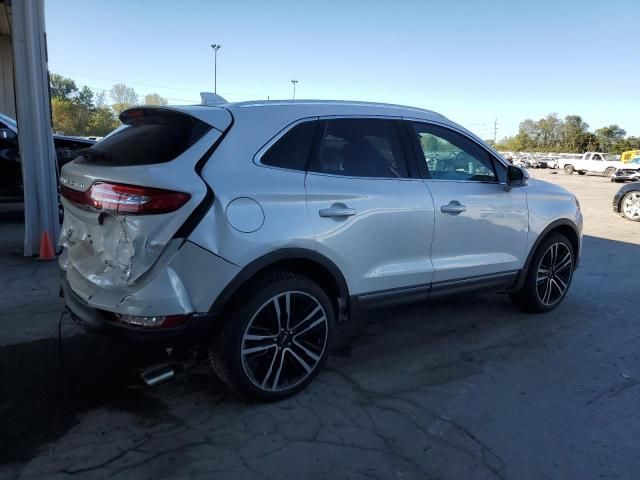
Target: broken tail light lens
{"x":128,"y":199}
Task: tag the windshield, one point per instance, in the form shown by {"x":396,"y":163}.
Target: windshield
{"x":9,"y":121}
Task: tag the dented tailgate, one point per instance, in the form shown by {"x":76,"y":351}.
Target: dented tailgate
{"x":111,"y":249}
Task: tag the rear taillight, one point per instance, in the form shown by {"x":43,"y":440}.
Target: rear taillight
{"x":129,"y":199}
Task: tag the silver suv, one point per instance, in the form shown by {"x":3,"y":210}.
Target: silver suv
{"x":257,"y":228}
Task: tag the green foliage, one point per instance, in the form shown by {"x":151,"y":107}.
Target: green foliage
{"x":571,"y":135}
{"x":123,"y":97}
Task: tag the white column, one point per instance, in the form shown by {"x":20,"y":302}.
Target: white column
{"x":37,"y":151}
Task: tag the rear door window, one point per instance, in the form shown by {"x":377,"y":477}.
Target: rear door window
{"x":292,"y":150}
{"x":148,"y":136}
{"x":360,"y":148}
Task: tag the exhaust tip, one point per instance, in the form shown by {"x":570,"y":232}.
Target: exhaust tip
{"x":156,"y":375}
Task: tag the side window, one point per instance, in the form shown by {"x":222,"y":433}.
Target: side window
{"x":360,"y":148}
{"x":596,"y":157}
{"x":292,"y":150}
{"x":451,"y":156}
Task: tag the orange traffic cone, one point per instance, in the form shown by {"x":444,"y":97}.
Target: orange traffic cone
{"x":46,"y":248}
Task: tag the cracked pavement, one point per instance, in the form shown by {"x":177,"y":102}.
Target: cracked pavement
{"x":468,"y":388}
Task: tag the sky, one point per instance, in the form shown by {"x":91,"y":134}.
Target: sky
{"x":477,"y":62}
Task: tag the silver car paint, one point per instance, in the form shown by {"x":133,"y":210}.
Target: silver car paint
{"x":371,"y":254}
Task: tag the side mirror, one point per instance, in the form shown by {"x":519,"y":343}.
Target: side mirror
{"x":516,"y":176}
{"x":6,"y":134}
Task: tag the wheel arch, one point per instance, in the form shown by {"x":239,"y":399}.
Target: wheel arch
{"x":308,"y":263}
{"x":564,"y":226}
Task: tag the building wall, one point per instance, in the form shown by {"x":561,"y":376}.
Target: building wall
{"x":7,"y":96}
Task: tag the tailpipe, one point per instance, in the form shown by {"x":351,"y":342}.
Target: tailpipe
{"x":155,"y":375}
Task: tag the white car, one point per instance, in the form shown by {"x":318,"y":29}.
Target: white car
{"x":592,"y":162}
{"x":254,"y":228}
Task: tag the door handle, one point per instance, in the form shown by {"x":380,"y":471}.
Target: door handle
{"x":454,"y":207}
{"x":337,"y":210}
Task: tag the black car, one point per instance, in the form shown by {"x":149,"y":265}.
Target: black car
{"x":626,"y":201}
{"x":631,"y":172}
{"x":11,"y":189}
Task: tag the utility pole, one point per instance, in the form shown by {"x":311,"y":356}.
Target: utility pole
{"x":294,"y":88}
{"x":215,"y":47}
{"x":495,"y":130}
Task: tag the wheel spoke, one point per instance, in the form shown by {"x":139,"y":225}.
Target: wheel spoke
{"x":308,"y":352}
{"x":300,"y":360}
{"x":296,"y":327}
{"x":541,"y":278}
{"x":278,"y":372}
{"x":268,"y":374}
{"x":562,"y":285}
{"x":276,"y":303}
{"x":259,"y":348}
{"x":288,"y":309}
{"x":310,"y":327}
{"x":565,"y":263}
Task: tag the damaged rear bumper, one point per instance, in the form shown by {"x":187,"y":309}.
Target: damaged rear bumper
{"x":196,"y":330}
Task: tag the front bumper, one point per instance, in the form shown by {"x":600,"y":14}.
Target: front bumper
{"x":196,"y":330}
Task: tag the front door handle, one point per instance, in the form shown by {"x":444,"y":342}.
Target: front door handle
{"x":337,"y":210}
{"x":454,"y":208}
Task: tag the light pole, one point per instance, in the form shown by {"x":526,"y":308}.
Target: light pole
{"x":215,"y":47}
{"x":294,"y":88}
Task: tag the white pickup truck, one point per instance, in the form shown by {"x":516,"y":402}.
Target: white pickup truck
{"x":594,"y":162}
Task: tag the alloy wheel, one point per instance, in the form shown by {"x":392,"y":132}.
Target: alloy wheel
{"x":554,"y":274}
{"x":631,"y":205}
{"x":284,"y":341}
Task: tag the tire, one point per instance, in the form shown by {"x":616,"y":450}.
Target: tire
{"x":630,"y":206}
{"x":609,"y":172}
{"x":568,"y":169}
{"x":281,"y":362}
{"x":543,"y":291}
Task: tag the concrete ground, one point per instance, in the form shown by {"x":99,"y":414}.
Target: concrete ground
{"x":469,"y":389}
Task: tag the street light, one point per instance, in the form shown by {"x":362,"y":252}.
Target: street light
{"x":294,"y":88}
{"x":215,"y":47}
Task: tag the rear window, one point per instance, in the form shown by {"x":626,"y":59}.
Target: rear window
{"x":147,"y":136}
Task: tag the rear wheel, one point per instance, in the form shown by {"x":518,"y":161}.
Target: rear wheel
{"x":548,"y":277}
{"x":275,"y":338}
{"x":630,"y":206}
{"x":610,"y":171}
{"x":568,"y":169}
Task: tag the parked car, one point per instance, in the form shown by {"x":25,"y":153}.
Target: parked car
{"x":548,"y":162}
{"x":593,"y":162}
{"x":11,"y":189}
{"x":253,"y":229}
{"x":630,"y":173}
{"x":629,"y":155}
{"x":626,"y":201}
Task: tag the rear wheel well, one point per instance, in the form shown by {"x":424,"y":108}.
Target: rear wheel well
{"x":307,"y":268}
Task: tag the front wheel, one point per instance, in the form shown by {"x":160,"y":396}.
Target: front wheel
{"x":609,"y":172}
{"x":548,"y":277}
{"x":568,"y":169}
{"x":275,"y":338}
{"x":631,"y":206}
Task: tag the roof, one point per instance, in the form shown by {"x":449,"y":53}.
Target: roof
{"x":328,"y":103}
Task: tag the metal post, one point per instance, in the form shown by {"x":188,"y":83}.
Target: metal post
{"x":37,"y":152}
{"x":215,"y":47}
{"x":294,"y":88}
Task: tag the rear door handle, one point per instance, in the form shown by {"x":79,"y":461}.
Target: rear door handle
{"x":454,"y":207}
{"x":337,"y":211}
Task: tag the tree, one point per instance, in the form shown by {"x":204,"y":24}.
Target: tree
{"x":84,"y":98}
{"x":154,"y":99}
{"x":62,"y":88}
{"x":607,"y":137}
{"x":68,"y":117}
{"x":123,"y":97}
{"x":101,"y":122}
